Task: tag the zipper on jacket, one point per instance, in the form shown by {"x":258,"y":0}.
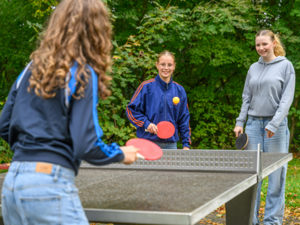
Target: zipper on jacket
{"x":166,"y":102}
{"x":165,"y":140}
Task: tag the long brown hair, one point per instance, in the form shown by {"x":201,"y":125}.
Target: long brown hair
{"x":279,"y":48}
{"x":78,"y":30}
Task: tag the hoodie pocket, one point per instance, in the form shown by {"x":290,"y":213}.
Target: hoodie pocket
{"x":273,"y":102}
{"x":263,"y":106}
{"x":252,"y":102}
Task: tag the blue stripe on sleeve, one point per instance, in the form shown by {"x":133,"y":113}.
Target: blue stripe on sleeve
{"x":72,"y":82}
{"x":20,"y":77}
{"x":98,"y":129}
{"x":109,"y":150}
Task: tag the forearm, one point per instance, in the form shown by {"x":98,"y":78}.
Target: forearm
{"x":103,"y":154}
{"x":136,"y":118}
{"x":6,"y":113}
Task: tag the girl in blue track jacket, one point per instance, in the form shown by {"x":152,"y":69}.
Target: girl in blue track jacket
{"x":153,"y":102}
{"x":50,"y":118}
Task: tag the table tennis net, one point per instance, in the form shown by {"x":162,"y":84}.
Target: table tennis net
{"x":194,"y":160}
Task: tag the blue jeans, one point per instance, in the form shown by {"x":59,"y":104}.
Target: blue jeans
{"x":34,"y":198}
{"x":167,"y":145}
{"x":279,"y":143}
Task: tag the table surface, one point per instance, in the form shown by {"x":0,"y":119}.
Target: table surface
{"x":164,"y":191}
{"x":173,"y":191}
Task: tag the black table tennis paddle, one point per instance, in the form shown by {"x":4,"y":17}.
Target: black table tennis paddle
{"x":242,"y":141}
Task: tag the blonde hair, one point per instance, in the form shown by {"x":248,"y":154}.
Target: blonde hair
{"x":279,"y":48}
{"x":167,"y":53}
{"x":78,"y":30}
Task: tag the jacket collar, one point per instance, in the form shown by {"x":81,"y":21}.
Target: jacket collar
{"x":162,"y":84}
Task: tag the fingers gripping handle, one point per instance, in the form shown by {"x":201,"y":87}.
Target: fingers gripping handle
{"x":140,"y":156}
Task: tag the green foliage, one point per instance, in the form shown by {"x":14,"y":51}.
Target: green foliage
{"x":213,"y":129}
{"x":199,"y":38}
{"x":293,"y":184}
{"x":5,"y":153}
{"x":213,"y":42}
{"x":20,"y":22}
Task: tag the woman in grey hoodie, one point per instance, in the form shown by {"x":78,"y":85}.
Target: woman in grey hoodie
{"x":267,"y":97}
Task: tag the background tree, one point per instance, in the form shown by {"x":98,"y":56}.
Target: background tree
{"x":213,"y":42}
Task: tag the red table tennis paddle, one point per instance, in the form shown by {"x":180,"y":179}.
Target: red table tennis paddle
{"x":4,"y":166}
{"x":147,"y":149}
{"x":165,"y":129}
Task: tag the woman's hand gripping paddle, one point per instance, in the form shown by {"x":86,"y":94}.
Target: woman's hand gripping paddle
{"x":4,"y":166}
{"x":147,"y":149}
{"x":165,"y":129}
{"x":242,"y":141}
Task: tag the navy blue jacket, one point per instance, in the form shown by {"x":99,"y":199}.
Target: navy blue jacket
{"x":152,"y":102}
{"x":59,"y":130}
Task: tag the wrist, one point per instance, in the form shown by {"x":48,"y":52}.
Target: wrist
{"x":123,"y":158}
{"x":185,"y":145}
{"x":146,"y":124}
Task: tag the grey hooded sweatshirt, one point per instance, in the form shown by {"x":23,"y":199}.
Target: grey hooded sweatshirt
{"x":268,"y":92}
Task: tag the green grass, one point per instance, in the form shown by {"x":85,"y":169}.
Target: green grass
{"x":3,"y":171}
{"x":292,"y":192}
{"x":292,"y":186}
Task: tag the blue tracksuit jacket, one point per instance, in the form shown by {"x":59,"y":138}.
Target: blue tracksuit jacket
{"x":152,"y":102}
{"x":60,"y":130}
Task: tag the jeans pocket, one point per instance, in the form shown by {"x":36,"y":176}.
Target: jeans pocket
{"x":78,"y":216}
{"x":287,"y":139}
{"x":283,"y":122}
{"x":42,"y":210}
{"x":5,"y":214}
{"x":249,"y":121}
{"x":77,"y":206}
{"x":9,"y":181}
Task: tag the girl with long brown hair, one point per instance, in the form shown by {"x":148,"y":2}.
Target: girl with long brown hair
{"x":50,"y":118}
{"x":267,"y":97}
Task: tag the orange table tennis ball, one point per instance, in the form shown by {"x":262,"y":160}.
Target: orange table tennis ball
{"x":176,"y":100}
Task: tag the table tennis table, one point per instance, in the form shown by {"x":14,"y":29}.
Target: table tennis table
{"x":179,"y":189}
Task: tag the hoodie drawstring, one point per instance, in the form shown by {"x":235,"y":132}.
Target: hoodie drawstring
{"x":261,"y":76}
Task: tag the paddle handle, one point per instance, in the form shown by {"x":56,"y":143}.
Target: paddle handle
{"x":140,"y":156}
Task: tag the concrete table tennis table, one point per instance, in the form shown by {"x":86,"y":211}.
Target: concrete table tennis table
{"x":179,"y":189}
